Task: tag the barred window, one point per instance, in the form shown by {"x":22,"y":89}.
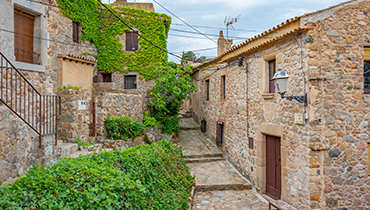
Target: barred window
{"x":130,"y":82}
{"x":367,"y":70}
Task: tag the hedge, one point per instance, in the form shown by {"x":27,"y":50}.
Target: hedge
{"x":143,"y":177}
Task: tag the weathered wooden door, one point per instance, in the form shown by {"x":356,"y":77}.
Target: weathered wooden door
{"x":220,"y":134}
{"x":273,"y":167}
{"x":93,"y":121}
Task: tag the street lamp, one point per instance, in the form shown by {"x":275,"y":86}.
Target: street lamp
{"x":281,"y":85}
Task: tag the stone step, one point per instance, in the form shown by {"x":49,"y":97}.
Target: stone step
{"x":187,"y":115}
{"x":67,"y":148}
{"x":12,"y":181}
{"x":221,"y":187}
{"x":78,"y":153}
{"x":188,"y":124}
{"x":217,"y":175}
{"x":203,"y":159}
{"x":204,"y":155}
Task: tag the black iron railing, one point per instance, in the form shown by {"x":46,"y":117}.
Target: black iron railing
{"x":26,"y":56}
{"x":40,"y":112}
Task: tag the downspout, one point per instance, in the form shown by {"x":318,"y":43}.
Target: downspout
{"x":247,"y":98}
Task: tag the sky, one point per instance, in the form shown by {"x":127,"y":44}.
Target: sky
{"x":207,"y":16}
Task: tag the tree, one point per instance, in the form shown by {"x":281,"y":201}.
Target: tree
{"x":190,"y":56}
{"x":172,"y":86}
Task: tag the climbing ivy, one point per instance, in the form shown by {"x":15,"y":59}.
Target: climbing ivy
{"x":102,"y":29}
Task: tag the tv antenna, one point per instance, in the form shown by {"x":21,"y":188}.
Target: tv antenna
{"x":229,"y":21}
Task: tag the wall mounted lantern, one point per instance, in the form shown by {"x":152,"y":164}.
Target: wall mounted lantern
{"x":281,"y":85}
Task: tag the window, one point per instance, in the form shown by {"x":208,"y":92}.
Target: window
{"x":207,"y":89}
{"x":132,"y":43}
{"x":23,"y":37}
{"x":107,"y":77}
{"x":272,"y":68}
{"x":223,"y":87}
{"x":76,"y":32}
{"x":251,"y":143}
{"x":203,"y":125}
{"x":130,"y":82}
{"x":367,"y":70}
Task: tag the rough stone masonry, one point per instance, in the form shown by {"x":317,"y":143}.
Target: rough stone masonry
{"x":324,"y":162}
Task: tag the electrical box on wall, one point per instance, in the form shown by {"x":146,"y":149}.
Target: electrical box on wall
{"x":82,"y":105}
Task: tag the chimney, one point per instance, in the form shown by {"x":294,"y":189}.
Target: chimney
{"x":222,"y":44}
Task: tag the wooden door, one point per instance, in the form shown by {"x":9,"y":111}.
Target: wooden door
{"x":273,"y":167}
{"x":220,"y":134}
{"x":93,"y":121}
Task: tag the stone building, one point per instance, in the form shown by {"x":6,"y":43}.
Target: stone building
{"x":311,"y":155}
{"x":48,"y":50}
{"x":33,"y":37}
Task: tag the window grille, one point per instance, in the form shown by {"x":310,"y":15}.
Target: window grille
{"x":130,"y":82}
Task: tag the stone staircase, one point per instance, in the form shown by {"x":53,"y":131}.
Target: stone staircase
{"x":207,"y":163}
{"x":218,"y":185}
{"x":67,"y":148}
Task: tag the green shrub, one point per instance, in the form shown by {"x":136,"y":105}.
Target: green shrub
{"x":82,"y":143}
{"x":143,"y":177}
{"x":171,"y":125}
{"x":123,"y":127}
{"x":70,"y":87}
{"x":150,"y":121}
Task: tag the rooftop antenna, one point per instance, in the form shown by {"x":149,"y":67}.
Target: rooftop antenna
{"x":229,"y":21}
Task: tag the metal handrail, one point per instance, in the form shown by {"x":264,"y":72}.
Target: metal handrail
{"x":40,"y":112}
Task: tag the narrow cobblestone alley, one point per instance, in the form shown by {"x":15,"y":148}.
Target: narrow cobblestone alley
{"x":218,"y":185}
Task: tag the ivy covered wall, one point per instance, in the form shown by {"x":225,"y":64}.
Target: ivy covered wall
{"x":102,"y":29}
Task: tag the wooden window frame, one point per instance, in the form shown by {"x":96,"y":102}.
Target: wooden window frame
{"x":126,"y":85}
{"x":76,"y":35}
{"x":223,"y":87}
{"x":23,"y":41}
{"x":207,"y":89}
{"x":251,"y":143}
{"x":271,"y":73}
{"x":132,"y":41}
{"x":366,"y":60}
{"x":107,"y":77}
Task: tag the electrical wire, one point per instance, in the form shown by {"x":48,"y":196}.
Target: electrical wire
{"x":184,"y":21}
{"x":190,"y":32}
{"x":211,"y":27}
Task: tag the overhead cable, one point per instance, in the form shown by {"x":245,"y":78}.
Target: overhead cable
{"x":184,"y":22}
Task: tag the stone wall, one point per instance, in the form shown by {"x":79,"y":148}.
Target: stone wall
{"x":20,"y":146}
{"x":75,"y":123}
{"x":339,"y":117}
{"x":325,"y":161}
{"x":249,"y":111}
{"x":116,"y":101}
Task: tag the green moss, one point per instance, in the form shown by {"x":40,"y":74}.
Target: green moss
{"x":70,"y":87}
{"x":101,"y":28}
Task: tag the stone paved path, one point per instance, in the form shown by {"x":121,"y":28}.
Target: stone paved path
{"x":230,"y":199}
{"x":218,"y":185}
